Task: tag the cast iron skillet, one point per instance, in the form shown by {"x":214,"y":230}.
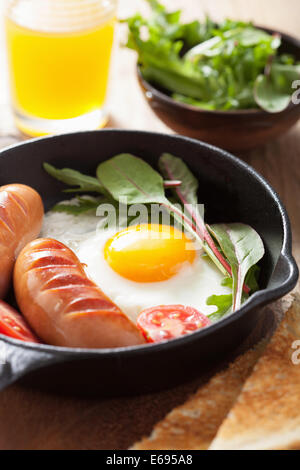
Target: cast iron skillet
{"x":231,"y":190}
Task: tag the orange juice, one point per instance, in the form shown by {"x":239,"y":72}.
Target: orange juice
{"x":59,"y":64}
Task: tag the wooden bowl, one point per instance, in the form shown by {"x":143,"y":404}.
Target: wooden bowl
{"x":239,"y":130}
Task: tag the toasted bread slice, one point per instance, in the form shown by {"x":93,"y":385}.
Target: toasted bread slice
{"x":195,"y":424}
{"x":266,"y":415}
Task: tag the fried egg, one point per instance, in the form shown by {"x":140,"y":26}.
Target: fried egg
{"x":140,"y":266}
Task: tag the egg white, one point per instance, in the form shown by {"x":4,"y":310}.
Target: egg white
{"x":190,"y":287}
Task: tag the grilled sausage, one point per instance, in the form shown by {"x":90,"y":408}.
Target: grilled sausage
{"x":21,"y":217}
{"x":62,"y":305}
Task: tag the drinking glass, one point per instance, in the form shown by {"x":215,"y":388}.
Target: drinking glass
{"x":59,"y":55}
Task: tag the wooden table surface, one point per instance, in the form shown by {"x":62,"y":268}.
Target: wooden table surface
{"x":34,"y":420}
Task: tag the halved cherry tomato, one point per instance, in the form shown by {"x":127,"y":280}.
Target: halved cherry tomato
{"x":170,"y":321}
{"x":13,"y":325}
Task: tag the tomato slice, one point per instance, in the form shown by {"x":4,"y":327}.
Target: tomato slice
{"x":170,"y":321}
{"x":13,"y":325}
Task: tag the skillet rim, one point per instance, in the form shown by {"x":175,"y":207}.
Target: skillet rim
{"x":258,"y":299}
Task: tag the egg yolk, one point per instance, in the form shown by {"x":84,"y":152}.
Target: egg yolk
{"x":149,"y":253}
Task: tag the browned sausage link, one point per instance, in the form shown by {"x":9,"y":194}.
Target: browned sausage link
{"x":62,"y":305}
{"x":21,"y":216}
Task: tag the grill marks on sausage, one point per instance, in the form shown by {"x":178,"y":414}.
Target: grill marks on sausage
{"x":62,"y":280}
{"x":88,"y":304}
{"x":18,"y":207}
{"x":20,"y":203}
{"x":13,"y":208}
{"x":50,"y":260}
{"x":5,"y":219}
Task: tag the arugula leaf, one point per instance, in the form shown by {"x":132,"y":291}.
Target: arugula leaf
{"x":195,"y":32}
{"x":156,"y":6}
{"x":204,"y":48}
{"x":243,"y":247}
{"x":164,"y":20}
{"x":269,"y":97}
{"x":250,"y":36}
{"x":227,"y":282}
{"x":252,"y":278}
{"x":168,"y":25}
{"x":186,"y":82}
{"x":192,"y":102}
{"x":223,"y":304}
{"x":273,"y":91}
{"x":128,"y":176}
{"x":80,"y":206}
{"x":175,"y":169}
{"x":285,"y":74}
{"x":72,"y":177}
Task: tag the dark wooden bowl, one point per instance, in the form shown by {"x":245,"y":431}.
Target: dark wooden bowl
{"x":233,"y":130}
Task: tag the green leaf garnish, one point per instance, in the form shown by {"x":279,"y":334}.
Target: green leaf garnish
{"x":132,"y":178}
{"x":83,"y":183}
{"x":243,"y":248}
{"x":252,"y":278}
{"x":175,"y":169}
{"x":223,"y":304}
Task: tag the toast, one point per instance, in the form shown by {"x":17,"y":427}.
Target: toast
{"x":194,"y":424}
{"x":266,"y":415}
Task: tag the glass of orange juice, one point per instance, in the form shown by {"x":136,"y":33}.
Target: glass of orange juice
{"x":59,"y":55}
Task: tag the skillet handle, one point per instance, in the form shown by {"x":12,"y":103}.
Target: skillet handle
{"x":285,"y":274}
{"x":17,"y":361}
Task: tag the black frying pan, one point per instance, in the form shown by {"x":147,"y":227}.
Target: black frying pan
{"x":232,"y":192}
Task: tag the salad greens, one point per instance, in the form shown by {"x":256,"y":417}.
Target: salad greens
{"x":234,"y":248}
{"x":243,"y":248}
{"x":225,"y":66}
